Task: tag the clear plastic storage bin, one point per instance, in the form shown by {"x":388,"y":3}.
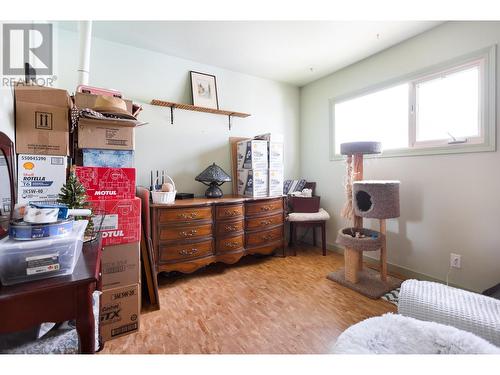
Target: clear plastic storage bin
{"x":22,"y":261}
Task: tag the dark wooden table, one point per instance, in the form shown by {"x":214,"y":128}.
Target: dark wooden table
{"x":56,"y":299}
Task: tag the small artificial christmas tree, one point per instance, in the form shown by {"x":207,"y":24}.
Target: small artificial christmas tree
{"x":74,"y":195}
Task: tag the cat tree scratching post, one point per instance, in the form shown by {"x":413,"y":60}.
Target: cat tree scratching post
{"x":354,"y":259}
{"x":365,"y":199}
{"x":377,"y":200}
{"x":354,"y":151}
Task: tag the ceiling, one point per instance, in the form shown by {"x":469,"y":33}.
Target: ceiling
{"x":295,"y":52}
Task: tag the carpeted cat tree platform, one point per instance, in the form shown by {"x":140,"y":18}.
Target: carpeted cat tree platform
{"x":365,"y":199}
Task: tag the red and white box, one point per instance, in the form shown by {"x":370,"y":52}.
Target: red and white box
{"x":107,"y":183}
{"x":122,"y":220}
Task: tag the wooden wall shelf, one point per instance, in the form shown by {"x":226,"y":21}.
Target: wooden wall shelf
{"x":190,"y":107}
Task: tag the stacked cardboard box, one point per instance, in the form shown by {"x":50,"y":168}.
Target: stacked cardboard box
{"x":103,"y":143}
{"x":105,"y":154}
{"x":118,"y":217}
{"x":276,"y":162}
{"x":253,"y":168}
{"x":42,"y":141}
{"x":43,"y":144}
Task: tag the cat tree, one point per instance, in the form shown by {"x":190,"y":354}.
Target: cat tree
{"x":365,"y":199}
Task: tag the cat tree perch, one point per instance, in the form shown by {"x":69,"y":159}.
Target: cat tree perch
{"x":365,"y":199}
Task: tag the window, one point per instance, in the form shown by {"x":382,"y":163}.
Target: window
{"x":446,"y":109}
{"x":447,"y":106}
{"x":378,"y":116}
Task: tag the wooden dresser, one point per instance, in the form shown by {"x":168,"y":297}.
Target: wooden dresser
{"x":192,"y":233}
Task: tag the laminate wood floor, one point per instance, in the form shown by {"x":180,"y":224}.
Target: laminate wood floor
{"x":265,"y":305}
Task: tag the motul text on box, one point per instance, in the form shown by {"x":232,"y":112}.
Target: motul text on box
{"x":107,"y":183}
{"x":119,"y":220}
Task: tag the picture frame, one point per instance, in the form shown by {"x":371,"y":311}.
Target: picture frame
{"x":204,"y":90}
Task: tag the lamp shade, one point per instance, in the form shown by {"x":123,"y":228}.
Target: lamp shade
{"x":213,"y":173}
{"x":213,"y":176}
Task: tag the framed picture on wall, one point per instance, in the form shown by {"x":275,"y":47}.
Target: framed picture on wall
{"x":204,"y":89}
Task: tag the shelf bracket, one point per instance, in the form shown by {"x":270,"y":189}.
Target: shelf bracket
{"x":171,"y":115}
{"x":229,"y":118}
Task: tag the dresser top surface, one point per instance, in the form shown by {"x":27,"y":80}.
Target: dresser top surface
{"x":226,"y":199}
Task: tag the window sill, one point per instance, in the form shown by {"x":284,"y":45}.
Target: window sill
{"x":438,"y":150}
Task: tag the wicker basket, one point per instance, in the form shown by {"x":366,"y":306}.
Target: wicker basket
{"x":163,"y":197}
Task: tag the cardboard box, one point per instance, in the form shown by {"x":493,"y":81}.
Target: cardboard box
{"x":105,"y":134}
{"x":276,"y":182}
{"x":252,"y":154}
{"x":119,"y":311}
{"x":42,"y":120}
{"x":276,"y":155}
{"x":120,"y":265}
{"x":107,"y":183}
{"x":121,"y":220}
{"x":40,"y":177}
{"x":253,"y":182}
{"x":4,"y":187}
{"x":83,"y":100}
{"x":107,"y":158}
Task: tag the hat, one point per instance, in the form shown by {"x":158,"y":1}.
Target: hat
{"x":110,"y":105}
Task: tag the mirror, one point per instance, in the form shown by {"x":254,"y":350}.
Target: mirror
{"x":7,"y":188}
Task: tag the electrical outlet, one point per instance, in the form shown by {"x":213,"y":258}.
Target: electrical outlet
{"x":455,"y":260}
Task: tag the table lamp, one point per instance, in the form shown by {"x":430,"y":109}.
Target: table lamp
{"x":213,"y":176}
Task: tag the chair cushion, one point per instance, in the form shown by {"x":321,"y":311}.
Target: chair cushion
{"x":321,"y":215}
{"x":397,"y":334}
{"x":435,"y":302}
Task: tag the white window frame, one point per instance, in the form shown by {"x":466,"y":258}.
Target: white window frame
{"x":486,"y":141}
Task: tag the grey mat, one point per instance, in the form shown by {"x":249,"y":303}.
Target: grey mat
{"x":369,"y":283}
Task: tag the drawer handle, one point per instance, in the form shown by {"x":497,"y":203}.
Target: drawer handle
{"x":232,"y":244}
{"x":190,"y":233}
{"x":191,"y":215}
{"x":231,"y":213}
{"x":267,"y":237}
{"x":230,"y":228}
{"x":187,"y":252}
{"x":267,"y":208}
{"x":265,"y":222}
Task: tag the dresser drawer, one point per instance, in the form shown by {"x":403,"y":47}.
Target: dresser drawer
{"x":267,"y":206}
{"x":185,"y":233}
{"x":228,"y":212}
{"x":230,"y":244}
{"x":169,"y":253}
{"x":176,"y":215}
{"x":264,"y":222}
{"x":264,"y":237}
{"x":227,"y":228}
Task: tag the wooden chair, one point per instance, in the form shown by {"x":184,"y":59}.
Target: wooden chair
{"x":309,"y":220}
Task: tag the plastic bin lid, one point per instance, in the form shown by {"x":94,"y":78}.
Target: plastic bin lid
{"x":13,"y":246}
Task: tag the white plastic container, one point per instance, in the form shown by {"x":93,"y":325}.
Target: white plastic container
{"x":22,"y":261}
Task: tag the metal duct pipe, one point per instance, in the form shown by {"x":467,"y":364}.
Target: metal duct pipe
{"x":85,"y":28}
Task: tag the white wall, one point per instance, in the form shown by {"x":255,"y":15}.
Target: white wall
{"x":196,"y":139}
{"x":449,"y":203}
